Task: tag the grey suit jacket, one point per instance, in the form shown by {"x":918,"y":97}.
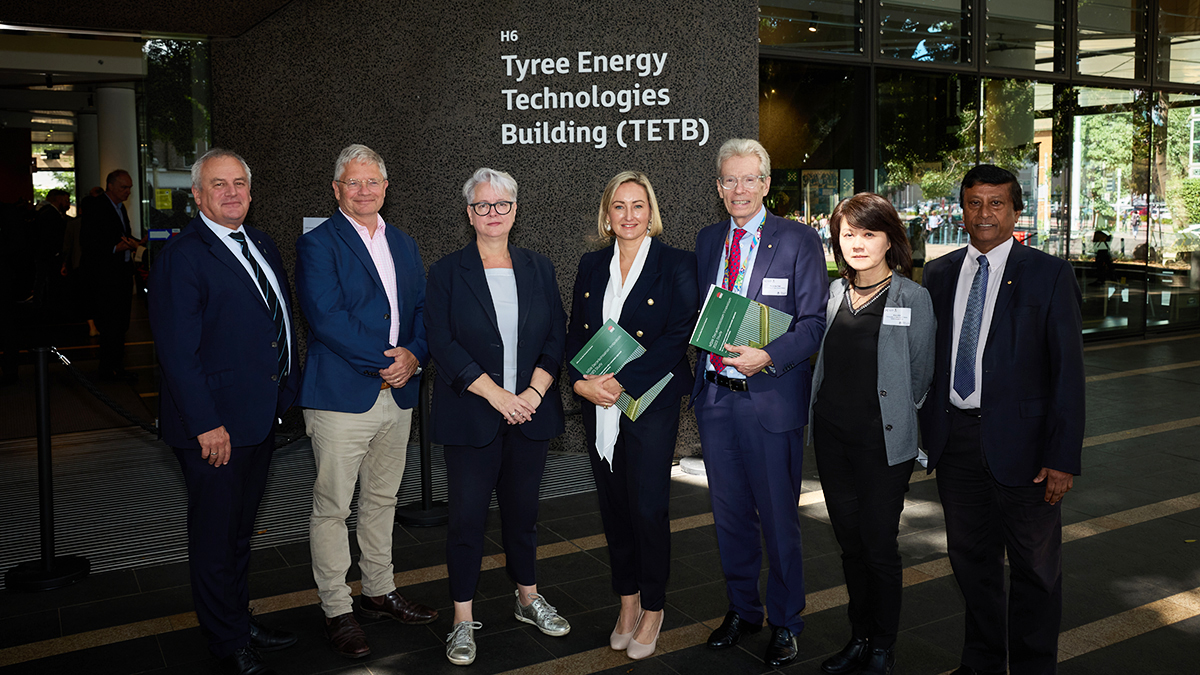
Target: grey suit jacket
{"x":906,"y":362}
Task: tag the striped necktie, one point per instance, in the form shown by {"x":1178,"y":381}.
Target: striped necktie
{"x":968,"y":336}
{"x":273,"y":305}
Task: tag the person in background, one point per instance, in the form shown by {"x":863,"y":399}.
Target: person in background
{"x":496,"y":331}
{"x":871,"y":376}
{"x":650,"y":290}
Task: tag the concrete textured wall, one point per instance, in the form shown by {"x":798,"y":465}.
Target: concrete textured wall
{"x":421,"y":84}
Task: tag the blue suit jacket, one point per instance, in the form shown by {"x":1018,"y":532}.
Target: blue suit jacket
{"x":1032,"y":385}
{"x":660,"y":312}
{"x":786,"y":250}
{"x":465,"y":343}
{"x":349,"y":317}
{"x":214,"y":339}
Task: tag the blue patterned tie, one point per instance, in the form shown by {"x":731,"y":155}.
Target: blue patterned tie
{"x":273,"y":304}
{"x":968,"y":337}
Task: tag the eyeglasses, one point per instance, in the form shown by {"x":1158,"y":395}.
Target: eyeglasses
{"x":360,"y":184}
{"x":748,"y":182}
{"x":483,"y":208}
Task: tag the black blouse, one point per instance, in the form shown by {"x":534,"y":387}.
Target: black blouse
{"x":848,"y":399}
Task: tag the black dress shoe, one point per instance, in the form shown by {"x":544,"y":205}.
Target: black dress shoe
{"x":245,"y":661}
{"x":781,"y":650}
{"x":851,"y":658}
{"x":879,"y":662}
{"x":268,"y":640}
{"x":730,"y":631}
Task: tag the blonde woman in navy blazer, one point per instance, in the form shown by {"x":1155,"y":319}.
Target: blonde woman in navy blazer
{"x":496,"y":327}
{"x":655,"y":301}
{"x":873,"y":371}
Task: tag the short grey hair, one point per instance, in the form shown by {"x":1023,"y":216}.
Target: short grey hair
{"x":358,"y":153}
{"x":744,"y":147}
{"x":500,"y":181}
{"x":216,"y":153}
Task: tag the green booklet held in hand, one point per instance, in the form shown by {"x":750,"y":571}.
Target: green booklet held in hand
{"x":607,"y":352}
{"x":729,"y":318}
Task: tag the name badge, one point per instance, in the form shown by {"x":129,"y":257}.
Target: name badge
{"x":774,"y":287}
{"x":897,"y":316}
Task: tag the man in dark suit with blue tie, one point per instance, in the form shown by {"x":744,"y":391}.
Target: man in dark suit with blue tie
{"x":361,"y":285}
{"x":220,"y":309}
{"x":108,"y":248}
{"x":1003,"y":426}
{"x":752,"y":409}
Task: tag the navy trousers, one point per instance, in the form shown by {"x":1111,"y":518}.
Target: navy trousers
{"x":754,"y":480}
{"x":512,"y":465}
{"x":222,"y":504}
{"x":634,"y":493}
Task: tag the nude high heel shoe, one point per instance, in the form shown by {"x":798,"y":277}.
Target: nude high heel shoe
{"x":637,"y":650}
{"x":620,"y":641}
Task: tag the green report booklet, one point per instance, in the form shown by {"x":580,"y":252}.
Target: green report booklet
{"x":729,"y":318}
{"x":607,"y":352}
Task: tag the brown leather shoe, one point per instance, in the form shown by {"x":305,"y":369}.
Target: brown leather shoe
{"x":346,"y":637}
{"x":394,"y":606}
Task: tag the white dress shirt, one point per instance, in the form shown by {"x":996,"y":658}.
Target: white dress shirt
{"x":997,"y":259}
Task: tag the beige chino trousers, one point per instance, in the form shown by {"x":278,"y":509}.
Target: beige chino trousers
{"x":369,"y":448}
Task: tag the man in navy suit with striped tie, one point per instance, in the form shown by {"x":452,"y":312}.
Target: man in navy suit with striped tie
{"x":220,"y":309}
{"x":1003,"y":426}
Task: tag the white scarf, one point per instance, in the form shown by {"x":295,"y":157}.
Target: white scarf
{"x":608,"y":420}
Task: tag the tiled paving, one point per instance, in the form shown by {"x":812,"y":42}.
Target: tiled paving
{"x":1131,"y":563}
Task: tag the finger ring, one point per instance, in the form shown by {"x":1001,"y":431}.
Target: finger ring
{"x":512,"y":414}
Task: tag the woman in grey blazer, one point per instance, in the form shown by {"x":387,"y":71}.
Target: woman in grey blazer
{"x":874,"y":368}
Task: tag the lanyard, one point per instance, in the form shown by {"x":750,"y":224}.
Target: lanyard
{"x":739,"y":282}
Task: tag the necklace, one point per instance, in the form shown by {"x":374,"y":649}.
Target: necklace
{"x":866,"y":302}
{"x":867,"y":288}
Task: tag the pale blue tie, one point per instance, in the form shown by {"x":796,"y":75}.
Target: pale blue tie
{"x":968,"y":337}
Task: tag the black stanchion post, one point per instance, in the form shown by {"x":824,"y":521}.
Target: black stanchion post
{"x":426,"y":513}
{"x":50,"y":572}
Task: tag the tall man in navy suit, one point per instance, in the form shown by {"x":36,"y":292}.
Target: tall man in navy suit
{"x":220,"y":309}
{"x":752,"y":409}
{"x":361,"y":285}
{"x":1003,"y":426}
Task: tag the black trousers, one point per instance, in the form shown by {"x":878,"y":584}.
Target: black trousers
{"x":512,"y":465}
{"x":634,"y":495}
{"x":114,"y":298}
{"x":984,"y":521}
{"x":222,"y":504}
{"x":865,"y":497}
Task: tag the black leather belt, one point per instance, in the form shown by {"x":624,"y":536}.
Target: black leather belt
{"x":730,"y":383}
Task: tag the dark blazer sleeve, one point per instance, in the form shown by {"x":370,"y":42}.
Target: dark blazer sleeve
{"x":809,"y":290}
{"x":455,"y":365}
{"x":1065,"y":424}
{"x":554,"y":347}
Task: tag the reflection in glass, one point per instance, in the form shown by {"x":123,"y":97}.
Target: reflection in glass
{"x":928,"y":140}
{"x":176,"y":99}
{"x":1112,"y":38}
{"x":812,"y":140}
{"x":833,"y":26}
{"x":1023,"y":35}
{"x":1173,"y":286}
{"x":1178,"y":49}
{"x":925,"y":30}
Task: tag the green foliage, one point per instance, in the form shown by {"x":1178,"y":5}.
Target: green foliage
{"x":176,"y":72}
{"x":1187,"y":191}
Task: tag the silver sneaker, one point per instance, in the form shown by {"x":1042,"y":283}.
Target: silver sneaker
{"x":541,"y":614}
{"x":460,"y":643}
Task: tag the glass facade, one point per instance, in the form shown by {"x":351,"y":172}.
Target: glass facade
{"x":1102,"y":131}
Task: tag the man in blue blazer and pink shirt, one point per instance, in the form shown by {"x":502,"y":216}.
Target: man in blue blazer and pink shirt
{"x":752,"y":409}
{"x":361,"y":285}
{"x":1003,"y":426}
{"x":221,"y":312}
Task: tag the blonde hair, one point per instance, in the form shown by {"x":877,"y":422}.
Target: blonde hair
{"x":617,"y":181}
